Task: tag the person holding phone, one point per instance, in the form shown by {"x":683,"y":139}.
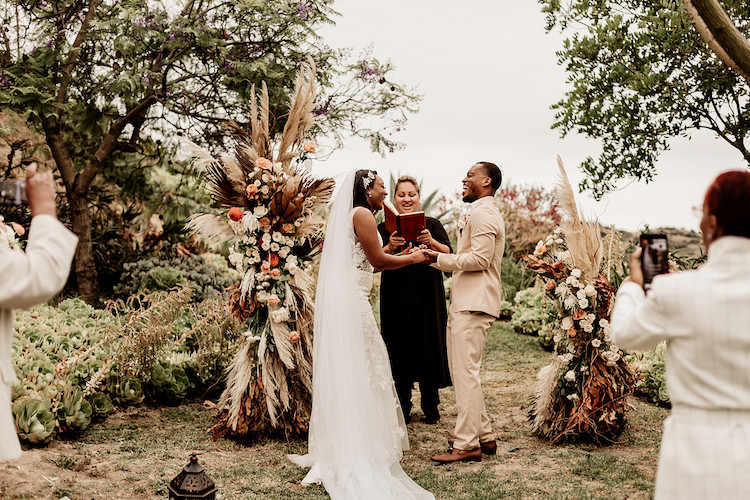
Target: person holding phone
{"x":29,"y":278}
{"x":704,"y":315}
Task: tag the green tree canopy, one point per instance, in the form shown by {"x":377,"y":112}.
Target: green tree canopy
{"x":639,"y":76}
{"x":106,"y":79}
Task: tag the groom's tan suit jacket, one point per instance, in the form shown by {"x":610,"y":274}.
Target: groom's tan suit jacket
{"x":476,"y":263}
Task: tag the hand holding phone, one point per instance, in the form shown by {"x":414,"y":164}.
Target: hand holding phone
{"x":654,"y":257}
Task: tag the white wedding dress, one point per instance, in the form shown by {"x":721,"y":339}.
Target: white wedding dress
{"x":357,"y":430}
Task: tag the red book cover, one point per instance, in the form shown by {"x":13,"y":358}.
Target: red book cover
{"x":411,"y":225}
{"x":391,"y":216}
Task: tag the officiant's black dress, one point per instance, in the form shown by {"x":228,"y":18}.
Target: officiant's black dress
{"x":413,"y":318}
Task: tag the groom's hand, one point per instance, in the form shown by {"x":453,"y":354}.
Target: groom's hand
{"x":431,"y":256}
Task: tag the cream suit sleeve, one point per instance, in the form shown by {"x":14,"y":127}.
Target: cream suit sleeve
{"x":31,"y":277}
{"x":484,"y":230}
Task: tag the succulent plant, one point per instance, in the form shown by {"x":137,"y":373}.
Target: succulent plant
{"x":101,"y":404}
{"x":126,"y":391}
{"x":168,"y":383}
{"x":74,"y":412}
{"x":35,"y":424}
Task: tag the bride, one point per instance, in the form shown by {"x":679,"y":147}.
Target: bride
{"x":357,"y":431}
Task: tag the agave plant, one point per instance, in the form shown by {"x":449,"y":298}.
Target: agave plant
{"x":34,"y":421}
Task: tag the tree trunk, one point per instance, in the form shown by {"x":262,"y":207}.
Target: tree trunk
{"x":85,"y":266}
{"x":722,"y":36}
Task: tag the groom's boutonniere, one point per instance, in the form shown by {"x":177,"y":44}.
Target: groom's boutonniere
{"x":462,"y":222}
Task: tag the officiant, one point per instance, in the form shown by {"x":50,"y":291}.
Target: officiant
{"x":413,"y":312}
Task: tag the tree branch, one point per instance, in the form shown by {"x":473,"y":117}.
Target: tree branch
{"x":67,"y":69}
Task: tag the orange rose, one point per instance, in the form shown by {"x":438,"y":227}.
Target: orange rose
{"x":264,"y":163}
{"x":309,"y":146}
{"x":571,"y":331}
{"x":265,"y":221}
{"x":294,"y":336}
{"x":549,"y":285}
{"x":18,"y":228}
{"x":251,"y":190}
{"x":273,"y":259}
{"x":273,"y":300}
{"x":265,"y":266}
{"x":288,"y":228}
{"x":236,"y":213}
{"x":275,"y":273}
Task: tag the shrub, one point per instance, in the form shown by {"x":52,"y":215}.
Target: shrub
{"x":528,"y":311}
{"x":207,"y":275}
{"x":650,"y":365}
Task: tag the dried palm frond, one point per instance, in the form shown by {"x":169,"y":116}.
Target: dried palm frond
{"x":211,"y":229}
{"x":541,"y":411}
{"x":300,"y":117}
{"x":240,"y":373}
{"x":582,"y":237}
{"x":614,"y":254}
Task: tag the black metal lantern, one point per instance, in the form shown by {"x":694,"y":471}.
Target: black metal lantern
{"x":192,"y":482}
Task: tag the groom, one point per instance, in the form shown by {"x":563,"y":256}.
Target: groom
{"x":475,"y":304}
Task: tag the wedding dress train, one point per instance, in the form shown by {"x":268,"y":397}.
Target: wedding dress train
{"x":357,"y":431}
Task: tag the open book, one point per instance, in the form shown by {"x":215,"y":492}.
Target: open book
{"x":409,"y":226}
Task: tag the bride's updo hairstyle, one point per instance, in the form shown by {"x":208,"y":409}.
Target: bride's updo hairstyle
{"x":728,"y":198}
{"x":360,"y":191}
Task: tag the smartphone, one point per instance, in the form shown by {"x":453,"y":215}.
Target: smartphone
{"x":654,"y":257}
{"x":13,"y":192}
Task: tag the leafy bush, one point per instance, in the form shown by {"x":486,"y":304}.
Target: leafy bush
{"x":515,"y":276}
{"x":73,"y":361}
{"x":207,"y":275}
{"x":528,"y":312}
{"x":650,"y":365}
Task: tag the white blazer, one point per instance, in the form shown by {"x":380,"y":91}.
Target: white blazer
{"x":704,"y":316}
{"x":27,"y":279}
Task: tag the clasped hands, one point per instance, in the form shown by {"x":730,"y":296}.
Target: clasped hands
{"x":424,"y":247}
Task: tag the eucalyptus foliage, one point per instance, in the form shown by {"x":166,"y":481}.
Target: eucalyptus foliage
{"x":639,"y":76}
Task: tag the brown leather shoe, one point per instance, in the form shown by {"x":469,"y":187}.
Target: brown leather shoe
{"x":488,"y":448}
{"x":456,"y":455}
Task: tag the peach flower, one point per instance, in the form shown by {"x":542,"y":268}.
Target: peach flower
{"x":264,"y":163}
{"x":251,"y":190}
{"x":288,"y":228}
{"x":579,"y":314}
{"x":294,"y":336}
{"x":18,"y":228}
{"x":309,"y":146}
{"x":274,"y":273}
{"x":549,"y":285}
{"x":273,"y":299}
{"x":540,"y":248}
{"x":236,"y":213}
{"x":265,"y":221}
{"x":571,"y":331}
{"x":273,"y":259}
{"x":265,"y":266}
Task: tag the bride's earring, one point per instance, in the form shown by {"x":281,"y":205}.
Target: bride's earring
{"x":369,"y":195}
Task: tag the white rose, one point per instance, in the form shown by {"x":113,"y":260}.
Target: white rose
{"x":572,"y":397}
{"x":276,"y":236}
{"x":570,"y":280}
{"x":564,"y":257}
{"x":265,"y":246}
{"x":275,"y":247}
{"x":570,"y":376}
{"x":588,"y":328}
{"x":561,"y":290}
{"x":581,"y":294}
{"x":603,"y":322}
{"x":583,"y":303}
{"x":576,"y":273}
{"x":279,"y":315}
{"x":590,"y":290}
{"x":264,"y":190}
{"x":590,"y":317}
{"x":567,"y":322}
{"x":262,"y":296}
{"x":292,"y":259}
{"x":596,"y":343}
{"x":260,"y":211}
{"x":284,"y":251}
{"x":568,"y":357}
{"x":266,"y":238}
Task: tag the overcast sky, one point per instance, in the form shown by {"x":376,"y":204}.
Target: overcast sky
{"x":488,"y":73}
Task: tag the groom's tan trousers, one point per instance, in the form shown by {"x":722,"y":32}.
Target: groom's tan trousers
{"x":465,"y":338}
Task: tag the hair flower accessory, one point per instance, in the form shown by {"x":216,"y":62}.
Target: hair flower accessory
{"x":368,"y":179}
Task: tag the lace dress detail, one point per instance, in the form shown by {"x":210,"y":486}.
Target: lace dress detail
{"x":379,"y":371}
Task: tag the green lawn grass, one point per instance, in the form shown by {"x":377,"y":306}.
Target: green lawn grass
{"x":134,"y":453}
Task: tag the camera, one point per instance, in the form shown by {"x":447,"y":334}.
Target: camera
{"x":654,"y":257}
{"x":13,"y":192}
